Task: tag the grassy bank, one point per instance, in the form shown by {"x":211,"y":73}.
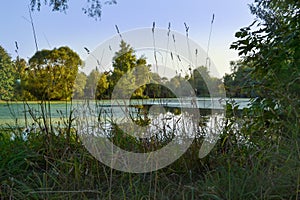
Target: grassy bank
{"x":49,"y":165}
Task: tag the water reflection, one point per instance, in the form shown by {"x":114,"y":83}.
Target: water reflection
{"x":150,"y":121}
{"x":162,"y":120}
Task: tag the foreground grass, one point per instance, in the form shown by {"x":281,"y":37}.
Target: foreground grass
{"x":55,"y":167}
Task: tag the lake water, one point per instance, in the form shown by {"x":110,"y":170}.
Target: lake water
{"x":19,"y":113}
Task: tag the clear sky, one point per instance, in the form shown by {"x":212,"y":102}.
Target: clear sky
{"x":76,"y":30}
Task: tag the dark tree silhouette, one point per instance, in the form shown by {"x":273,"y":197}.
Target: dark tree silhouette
{"x":92,"y":8}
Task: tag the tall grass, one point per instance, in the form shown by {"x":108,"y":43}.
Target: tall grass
{"x":52,"y":163}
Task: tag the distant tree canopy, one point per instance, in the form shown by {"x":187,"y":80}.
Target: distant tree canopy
{"x":52,"y":73}
{"x":91,"y":84}
{"x":200,"y":80}
{"x":93,"y":8}
{"x":134,"y":69}
{"x":7,"y":76}
{"x":79,"y":85}
{"x":241,"y":83}
{"x":138,"y":73}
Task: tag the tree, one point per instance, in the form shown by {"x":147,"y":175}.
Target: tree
{"x":155,"y":89}
{"x":7,"y":76}
{"x":142,"y":76}
{"x":52,"y":73}
{"x":79,"y":85}
{"x":93,"y":8}
{"x":241,"y":83}
{"x":129,"y":72}
{"x":102,"y":87}
{"x":271,"y":46}
{"x":178,"y":86}
{"x":22,"y":80}
{"x":123,"y":61}
{"x":91,"y":84}
{"x":200,"y":80}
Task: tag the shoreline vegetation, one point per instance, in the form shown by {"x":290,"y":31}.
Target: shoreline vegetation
{"x":52,"y":163}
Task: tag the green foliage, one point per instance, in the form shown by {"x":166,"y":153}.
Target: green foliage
{"x":23,"y":80}
{"x":178,"y":83}
{"x":256,"y":157}
{"x":102,"y":87}
{"x":271,"y":46}
{"x":8,"y":76}
{"x":142,"y":76}
{"x":91,"y":84}
{"x":129,"y":74}
{"x":200,"y":80}
{"x":93,"y":8}
{"x":241,"y":83}
{"x":52,"y":73}
{"x":57,"y":166}
{"x":132,"y":74}
{"x":123,"y":62}
{"x":79,"y":85}
{"x":158,"y":87}
{"x":272,"y":50}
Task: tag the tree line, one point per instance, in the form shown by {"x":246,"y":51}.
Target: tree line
{"x":55,"y":75}
{"x":48,"y":75}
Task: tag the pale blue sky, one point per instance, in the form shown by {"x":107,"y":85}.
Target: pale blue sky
{"x":77,"y":31}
